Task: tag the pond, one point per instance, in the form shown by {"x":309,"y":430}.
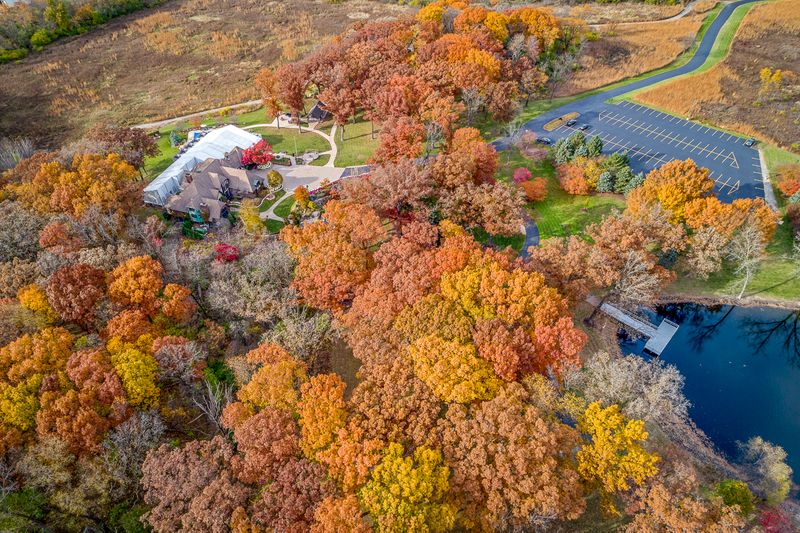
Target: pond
{"x":742,"y":369}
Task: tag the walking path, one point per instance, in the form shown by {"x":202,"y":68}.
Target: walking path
{"x":166,"y":122}
{"x":685,"y":11}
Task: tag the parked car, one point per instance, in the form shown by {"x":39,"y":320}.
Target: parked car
{"x":571,"y":122}
{"x":583,"y":127}
{"x":544,"y":140}
{"x":750,"y":142}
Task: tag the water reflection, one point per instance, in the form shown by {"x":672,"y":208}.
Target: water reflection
{"x":785,"y":330}
{"x":742,"y":370}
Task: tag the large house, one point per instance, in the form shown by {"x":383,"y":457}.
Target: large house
{"x":209,"y":174}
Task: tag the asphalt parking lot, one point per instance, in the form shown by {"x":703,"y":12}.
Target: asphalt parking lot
{"x":652,"y":138}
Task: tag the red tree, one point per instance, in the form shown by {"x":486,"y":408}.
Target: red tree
{"x":258,"y":154}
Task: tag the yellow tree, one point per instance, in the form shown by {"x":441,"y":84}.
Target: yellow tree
{"x":673,"y":185}
{"x":249,"y":215}
{"x":409,"y":493}
{"x":322,"y":413}
{"x":136,"y":283}
{"x":614,"y":456}
{"x":34,"y":298}
{"x":453,"y":370}
{"x":138,"y":371}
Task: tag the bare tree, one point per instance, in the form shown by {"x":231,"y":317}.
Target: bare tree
{"x":212,"y":399}
{"x":473,"y":102}
{"x":560,"y":69}
{"x":434,"y":134}
{"x":639,"y":283}
{"x":517,"y":46}
{"x":746,"y":251}
{"x":514,"y":130}
{"x":127,"y":445}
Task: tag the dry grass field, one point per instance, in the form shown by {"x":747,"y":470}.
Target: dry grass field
{"x":731,"y":94}
{"x":621,"y":12}
{"x":185,"y":56}
{"x":627,"y":50}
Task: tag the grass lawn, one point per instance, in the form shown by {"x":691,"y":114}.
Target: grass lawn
{"x":283,"y":208}
{"x":153,"y":166}
{"x":358,"y":145}
{"x":266,"y":204}
{"x":291,"y":141}
{"x":274,"y":226}
{"x":560,"y":214}
{"x":501,"y":241}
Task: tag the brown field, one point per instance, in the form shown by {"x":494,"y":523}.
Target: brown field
{"x":184,"y":56}
{"x":621,"y":12}
{"x":728,"y":95}
{"x":631,"y":49}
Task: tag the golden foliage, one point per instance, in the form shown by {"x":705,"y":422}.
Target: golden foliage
{"x":614,"y":457}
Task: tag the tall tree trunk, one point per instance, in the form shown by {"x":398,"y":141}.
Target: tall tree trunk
{"x":371,"y":129}
{"x":341,"y":132}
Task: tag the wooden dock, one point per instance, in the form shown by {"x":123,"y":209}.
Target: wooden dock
{"x":657,"y":336}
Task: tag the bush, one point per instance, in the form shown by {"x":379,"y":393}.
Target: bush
{"x":13,"y":55}
{"x":793,"y":216}
{"x":41,"y":38}
{"x":535,"y":189}
{"x":572,"y":179}
{"x":789,"y":180}
{"x":521,"y":175}
{"x":735,"y":492}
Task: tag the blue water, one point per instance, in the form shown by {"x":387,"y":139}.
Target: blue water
{"x":742,"y":369}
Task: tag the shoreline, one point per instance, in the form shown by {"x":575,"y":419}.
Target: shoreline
{"x":680,"y":297}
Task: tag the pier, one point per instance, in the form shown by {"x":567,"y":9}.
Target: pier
{"x":657,"y":336}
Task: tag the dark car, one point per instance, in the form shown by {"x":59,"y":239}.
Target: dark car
{"x":544,"y":140}
{"x":583,"y":127}
{"x":750,"y":142}
{"x":571,"y":122}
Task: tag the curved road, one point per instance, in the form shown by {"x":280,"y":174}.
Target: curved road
{"x":593,"y":102}
{"x":652,"y":138}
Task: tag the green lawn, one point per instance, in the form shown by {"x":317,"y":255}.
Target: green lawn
{"x":291,"y":141}
{"x":560,"y":214}
{"x":153,"y":166}
{"x":283,"y":208}
{"x":358,"y":145}
{"x":274,"y":226}
{"x":266,"y":204}
{"x":515,"y":241}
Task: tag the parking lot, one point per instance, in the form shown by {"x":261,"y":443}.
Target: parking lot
{"x":652,"y":138}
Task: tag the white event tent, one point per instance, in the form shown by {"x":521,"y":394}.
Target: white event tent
{"x":215,"y":144}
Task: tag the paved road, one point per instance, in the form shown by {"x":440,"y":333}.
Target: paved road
{"x":652,"y":138}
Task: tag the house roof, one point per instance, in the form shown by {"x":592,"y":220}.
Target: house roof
{"x":318,"y":112}
{"x":204,"y":186}
{"x":221,"y":143}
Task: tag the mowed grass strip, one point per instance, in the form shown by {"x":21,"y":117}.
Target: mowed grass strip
{"x":358,"y":144}
{"x":560,"y":214}
{"x":290,"y":140}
